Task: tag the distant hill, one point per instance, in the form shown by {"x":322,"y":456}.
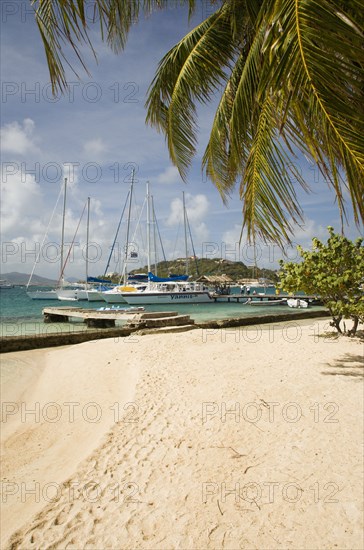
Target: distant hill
{"x":22,"y":279}
{"x":203,"y":266}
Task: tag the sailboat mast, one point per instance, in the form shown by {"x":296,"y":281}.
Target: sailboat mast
{"x":148,"y":227}
{"x":116,"y":234}
{"x":185,"y":227}
{"x":62,"y":236}
{"x":87,"y":238}
{"x":154,"y":236}
{"x":128,"y":227}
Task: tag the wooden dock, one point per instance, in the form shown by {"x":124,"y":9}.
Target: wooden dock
{"x":133,"y":318}
{"x":242,"y":298}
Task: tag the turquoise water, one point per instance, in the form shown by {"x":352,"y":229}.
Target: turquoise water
{"x":21,"y":315}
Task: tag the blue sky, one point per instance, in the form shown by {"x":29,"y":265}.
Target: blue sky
{"x":95,"y":135}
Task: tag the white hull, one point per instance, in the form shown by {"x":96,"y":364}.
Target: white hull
{"x":95,"y":296}
{"x":113,"y":297}
{"x":298,"y":303}
{"x":5,"y":284}
{"x":268,"y":303}
{"x":43,"y":295}
{"x":82,"y":295}
{"x":137,"y":298}
{"x":67,"y":294}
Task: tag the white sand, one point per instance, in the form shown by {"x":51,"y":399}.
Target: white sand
{"x":173,"y":468}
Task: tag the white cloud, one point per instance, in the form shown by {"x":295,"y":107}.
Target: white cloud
{"x":197,"y":207}
{"x":200,"y":233}
{"x":268,"y":254}
{"x":169,"y":176}
{"x":21,"y":198}
{"x":94,"y":147}
{"x":70,"y":171}
{"x":19,"y":139}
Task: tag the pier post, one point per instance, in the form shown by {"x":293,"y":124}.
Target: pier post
{"x":52,"y":318}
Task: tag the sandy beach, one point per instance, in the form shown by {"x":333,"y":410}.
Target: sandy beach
{"x":240,"y":438}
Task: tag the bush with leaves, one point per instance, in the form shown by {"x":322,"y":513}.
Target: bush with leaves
{"x":335,"y":272}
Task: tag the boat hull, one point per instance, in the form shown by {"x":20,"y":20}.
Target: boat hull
{"x":297,"y":303}
{"x":196,"y":297}
{"x":95,"y":296}
{"x":113,"y":297}
{"x":268,"y":303}
{"x":81,"y":295}
{"x":67,"y":294}
{"x":43,"y":295}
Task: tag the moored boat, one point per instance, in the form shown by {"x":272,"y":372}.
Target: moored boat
{"x":5,"y":284}
{"x":297,"y":303}
{"x":170,"y":293}
{"x":274,"y":302}
{"x":42,"y":294}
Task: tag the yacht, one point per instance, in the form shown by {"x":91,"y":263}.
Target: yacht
{"x":173,"y":292}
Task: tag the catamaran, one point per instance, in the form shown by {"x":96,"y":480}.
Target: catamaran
{"x":173,"y":292}
{"x":169,"y":290}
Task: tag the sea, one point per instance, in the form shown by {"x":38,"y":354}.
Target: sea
{"x":20,"y":315}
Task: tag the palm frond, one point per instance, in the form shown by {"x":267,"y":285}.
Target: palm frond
{"x":67,"y":23}
{"x":190,"y":72}
{"x":267,"y":191}
{"x":320,"y":59}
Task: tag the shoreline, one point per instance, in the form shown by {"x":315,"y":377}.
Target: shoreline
{"x":214,"y":438}
{"x":10,"y":344}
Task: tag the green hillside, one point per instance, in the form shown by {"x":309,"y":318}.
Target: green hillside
{"x":203,"y":266}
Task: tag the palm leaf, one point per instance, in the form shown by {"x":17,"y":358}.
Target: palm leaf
{"x":267,"y":191}
{"x":67,"y":23}
{"x":190,"y":72}
{"x":320,"y":59}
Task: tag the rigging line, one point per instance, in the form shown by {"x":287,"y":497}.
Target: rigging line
{"x":45,"y":236}
{"x":131,"y":241}
{"x":116,"y":234}
{"x":72,"y":243}
{"x":193,"y":247}
{"x":177,"y":237}
{"x":125,"y":265}
{"x":159,"y":235}
{"x":138,"y":224}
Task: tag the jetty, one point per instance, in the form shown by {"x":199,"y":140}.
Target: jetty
{"x":106,"y":318}
{"x":143,"y":326}
{"x":242,"y":298}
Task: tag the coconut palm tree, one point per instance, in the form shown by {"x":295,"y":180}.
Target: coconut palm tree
{"x":290,"y":77}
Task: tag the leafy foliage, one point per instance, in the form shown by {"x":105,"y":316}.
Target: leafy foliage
{"x":292,"y":79}
{"x":208,"y":266}
{"x":335,"y":271}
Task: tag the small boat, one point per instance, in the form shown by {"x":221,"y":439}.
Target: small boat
{"x":297,"y":302}
{"x":121,"y":309}
{"x":5,"y":284}
{"x":275,"y":302}
{"x":66,"y":299}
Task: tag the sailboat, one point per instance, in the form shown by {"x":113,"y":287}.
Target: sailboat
{"x":170,"y":290}
{"x":50,"y":294}
{"x":79,"y":292}
{"x":130,"y":284}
